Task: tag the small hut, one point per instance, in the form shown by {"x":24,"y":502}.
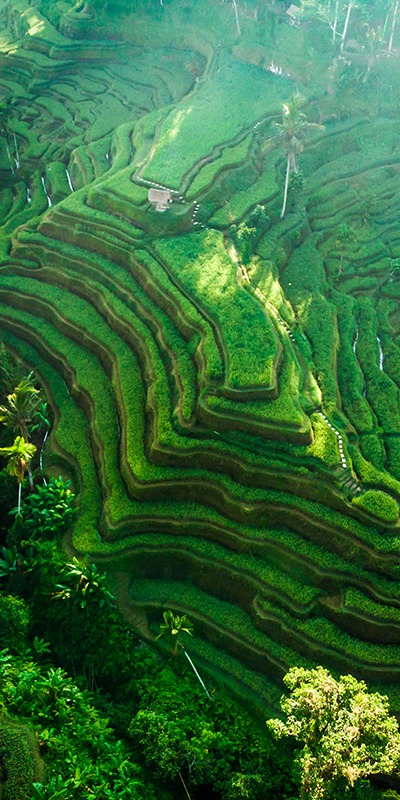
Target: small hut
{"x":160,"y":198}
{"x":293,"y":14}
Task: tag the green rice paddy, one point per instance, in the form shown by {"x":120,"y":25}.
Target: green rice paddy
{"x":230,"y":417}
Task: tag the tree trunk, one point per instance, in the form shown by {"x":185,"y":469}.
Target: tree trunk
{"x":335,"y":20}
{"x":19,"y":497}
{"x":396,"y":8}
{"x":346,"y":24}
{"x":237,"y":18}
{"x":41,"y":452}
{"x":184,"y":786}
{"x":286,"y":185}
{"x":8,"y":152}
{"x":196,"y":673}
{"x":17,"y":161}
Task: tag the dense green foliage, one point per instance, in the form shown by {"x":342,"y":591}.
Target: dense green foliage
{"x":344,"y":732}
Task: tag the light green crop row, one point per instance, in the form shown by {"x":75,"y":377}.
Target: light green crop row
{"x":357,"y":601}
{"x":379,"y":504}
{"x":319,"y":633}
{"x":204,"y":270}
{"x":240,"y":202}
{"x":229,"y":156}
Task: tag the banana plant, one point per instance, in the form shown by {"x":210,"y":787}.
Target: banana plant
{"x":8,"y":561}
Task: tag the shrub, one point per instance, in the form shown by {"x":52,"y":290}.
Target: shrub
{"x":16,"y":760}
{"x":50,"y":509}
{"x":14,"y":621}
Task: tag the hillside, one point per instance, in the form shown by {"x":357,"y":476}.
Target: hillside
{"x":224,"y":378}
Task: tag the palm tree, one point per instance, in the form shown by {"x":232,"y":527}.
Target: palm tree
{"x":19,"y":454}
{"x":22,"y":405}
{"x":173,"y":627}
{"x":294,"y":124}
{"x":41,"y":420}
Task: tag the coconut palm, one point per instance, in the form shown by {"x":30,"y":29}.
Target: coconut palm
{"x":292,"y":128}
{"x":173,"y":626}
{"x":41,"y":420}
{"x":18,"y":454}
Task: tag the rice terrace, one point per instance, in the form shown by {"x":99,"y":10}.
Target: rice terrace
{"x":200,"y":264}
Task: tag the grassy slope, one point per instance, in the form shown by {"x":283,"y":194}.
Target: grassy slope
{"x":194,"y":389}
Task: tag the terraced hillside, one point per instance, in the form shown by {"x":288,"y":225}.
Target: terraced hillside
{"x":229,"y":415}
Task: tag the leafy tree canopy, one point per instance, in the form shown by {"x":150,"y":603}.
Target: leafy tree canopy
{"x":343,"y":732}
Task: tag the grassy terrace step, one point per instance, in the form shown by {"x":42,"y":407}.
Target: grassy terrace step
{"x":166,"y":446}
{"x":254,"y":496}
{"x":308,"y":568}
{"x":116,"y":504}
{"x":333,"y":646}
{"x":150,"y":276}
{"x":115,"y":288}
{"x":135,"y":467}
{"x":358,"y":612}
{"x":264,"y":189}
{"x":28,"y":205}
{"x":227,"y":157}
{"x":220,"y":623}
{"x":233,"y":576}
{"x":86,"y":227}
{"x":268,"y":411}
{"x":116,"y":501}
{"x":60,"y":258}
{"x":76,"y":312}
{"x":218,"y":109}
{"x":251,"y":361}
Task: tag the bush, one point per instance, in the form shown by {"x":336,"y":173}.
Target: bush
{"x":49,"y":510}
{"x":16,"y":761}
{"x":14,"y":621}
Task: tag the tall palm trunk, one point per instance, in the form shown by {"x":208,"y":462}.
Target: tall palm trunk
{"x":335,"y":20}
{"x":396,"y":8}
{"x":8,"y":151}
{"x":285,"y":193}
{"x":346,"y":25}
{"x":19,"y":497}
{"x":25,"y":434}
{"x":237,"y":18}
{"x":17,"y":161}
{"x":196,"y":673}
